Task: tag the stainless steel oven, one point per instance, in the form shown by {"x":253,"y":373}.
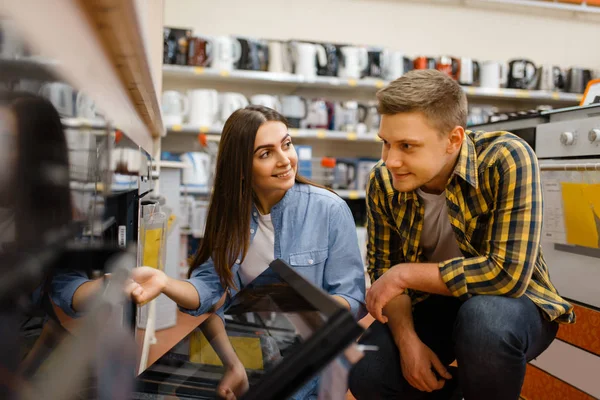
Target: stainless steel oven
{"x":568,"y":149}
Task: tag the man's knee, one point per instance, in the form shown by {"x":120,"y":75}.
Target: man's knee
{"x":377,"y":369}
{"x":488,"y":324}
{"x":361,"y":380}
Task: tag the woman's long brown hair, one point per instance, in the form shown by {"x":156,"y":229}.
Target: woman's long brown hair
{"x":227,"y":233}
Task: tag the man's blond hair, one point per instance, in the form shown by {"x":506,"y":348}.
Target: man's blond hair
{"x":430,"y":92}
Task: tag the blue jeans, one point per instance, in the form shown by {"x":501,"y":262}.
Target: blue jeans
{"x":491,"y":337}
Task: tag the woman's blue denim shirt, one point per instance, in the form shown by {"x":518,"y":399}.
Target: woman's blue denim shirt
{"x":316,"y":235}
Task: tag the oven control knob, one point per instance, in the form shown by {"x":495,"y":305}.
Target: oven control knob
{"x":567,"y":138}
{"x":594,"y":136}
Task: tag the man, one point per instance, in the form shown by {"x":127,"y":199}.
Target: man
{"x":454,"y":223}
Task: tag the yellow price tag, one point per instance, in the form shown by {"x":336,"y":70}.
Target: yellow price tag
{"x":500,"y":92}
{"x":555,"y":95}
{"x":352,"y":82}
{"x":224,"y":73}
{"x":321,"y":134}
{"x":353,"y":195}
{"x":471,"y":90}
{"x":523,"y":94}
{"x":379,"y":84}
{"x":579,"y":97}
{"x":293,"y":131}
{"x":351,"y":136}
{"x":204,"y":129}
{"x":176,"y":128}
{"x":198,"y":70}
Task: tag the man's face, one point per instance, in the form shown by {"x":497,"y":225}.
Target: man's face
{"x":416,"y":154}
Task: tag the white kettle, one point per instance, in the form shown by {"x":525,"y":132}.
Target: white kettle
{"x":198,"y":171}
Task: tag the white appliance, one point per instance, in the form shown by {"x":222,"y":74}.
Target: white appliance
{"x":280,"y":58}
{"x":174,"y":107}
{"x":306,"y":56}
{"x":266,"y":100}
{"x":203,"y":108}
{"x":198,"y":171}
{"x":226,"y":52}
{"x":61,"y":96}
{"x":493,"y":74}
{"x":393,"y":64}
{"x":354,"y":61}
{"x":231,"y":102}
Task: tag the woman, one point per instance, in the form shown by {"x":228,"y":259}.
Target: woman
{"x":261,"y":210}
{"x":35,"y":204}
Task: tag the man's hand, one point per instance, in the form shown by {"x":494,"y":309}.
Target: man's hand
{"x":418,"y":362}
{"x":382,"y":291}
{"x":234,"y":383}
{"x":151,"y":283}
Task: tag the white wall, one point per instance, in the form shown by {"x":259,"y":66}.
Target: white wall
{"x":416,"y":28}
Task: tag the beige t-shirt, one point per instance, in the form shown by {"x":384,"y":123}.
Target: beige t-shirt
{"x":437,"y":238}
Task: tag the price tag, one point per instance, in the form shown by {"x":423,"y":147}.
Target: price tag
{"x":353,"y":195}
{"x":555,"y":96}
{"x":471,"y":90}
{"x":204,"y":129}
{"x":321,"y":134}
{"x":176,"y":128}
{"x":352,"y":82}
{"x":523,"y":94}
{"x":224,"y":73}
{"x":293,"y":131}
{"x":379,"y":84}
{"x":351,"y":136}
{"x":198,"y":70}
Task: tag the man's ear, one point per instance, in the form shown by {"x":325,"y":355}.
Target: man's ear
{"x":455,"y":139}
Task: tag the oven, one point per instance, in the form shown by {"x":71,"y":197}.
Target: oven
{"x":568,"y":150}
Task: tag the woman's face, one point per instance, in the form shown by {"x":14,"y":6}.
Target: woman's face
{"x":275,"y":162}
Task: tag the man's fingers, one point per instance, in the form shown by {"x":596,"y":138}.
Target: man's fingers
{"x":374,"y":307}
{"x":440,"y":368}
{"x":431,"y":381}
{"x":417,"y":384}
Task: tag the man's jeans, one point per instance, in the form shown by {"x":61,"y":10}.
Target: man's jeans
{"x":491,"y":337}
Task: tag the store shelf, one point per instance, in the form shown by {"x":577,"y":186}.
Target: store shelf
{"x":285,"y":79}
{"x":194,"y":190}
{"x":352,"y":194}
{"x":83,"y":123}
{"x":280,"y":79}
{"x":100,"y":51}
{"x":334,"y":135}
{"x":213,"y":133}
{"x":525,"y":95}
{"x":93,"y":187}
{"x":172,"y":164}
{"x":345,"y":194}
{"x":523,"y":123}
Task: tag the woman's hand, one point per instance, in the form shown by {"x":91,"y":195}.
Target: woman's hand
{"x":234,"y":383}
{"x":150,"y":283}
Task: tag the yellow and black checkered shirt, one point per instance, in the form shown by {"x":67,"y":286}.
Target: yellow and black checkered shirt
{"x":494,"y":202}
